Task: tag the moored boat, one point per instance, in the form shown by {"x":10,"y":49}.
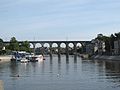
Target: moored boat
{"x":33,"y":59}
{"x":17,"y":56}
{"x":24,"y":60}
{"x":40,"y":58}
{"x":36,"y":58}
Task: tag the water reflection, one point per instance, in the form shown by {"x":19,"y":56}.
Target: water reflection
{"x":43,"y":68}
{"x":113,"y":66}
{"x":68,"y":73}
{"x":59,"y":60}
{"x":51,"y":66}
{"x":59,"y":65}
{"x":34,"y":66}
{"x":111,"y":71}
{"x":75,"y":60}
{"x":14,"y":69}
{"x":75,"y":57}
{"x":67,"y":61}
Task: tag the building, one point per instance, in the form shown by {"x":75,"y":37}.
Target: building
{"x":117,"y":47}
{"x":90,"y":49}
{"x":99,"y":46}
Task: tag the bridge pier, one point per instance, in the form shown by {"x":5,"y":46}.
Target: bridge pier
{"x":50,"y":49}
{"x":58,"y":50}
{"x":34,"y":47}
{"x":83,"y":47}
{"x":67,"y":51}
{"x":75,"y":51}
{"x":42,"y":48}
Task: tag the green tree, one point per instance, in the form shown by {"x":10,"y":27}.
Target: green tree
{"x":100,"y":37}
{"x":112,"y":39}
{"x":25,"y":46}
{"x":117,"y":35}
{"x":1,"y":44}
{"x":14,"y":45}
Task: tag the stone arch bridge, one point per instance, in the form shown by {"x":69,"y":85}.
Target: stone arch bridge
{"x":50,"y":43}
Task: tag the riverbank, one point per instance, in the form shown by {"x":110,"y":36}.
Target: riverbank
{"x":103,"y":57}
{"x":5,"y":58}
{"x":1,"y":85}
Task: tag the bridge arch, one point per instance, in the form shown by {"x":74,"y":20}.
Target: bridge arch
{"x":62,"y":48}
{"x":46,"y":45}
{"x":31,"y":45}
{"x":38,"y":45}
{"x":71,"y":45}
{"x":63,"y":45}
{"x":54,"y":45}
{"x":78,"y":45}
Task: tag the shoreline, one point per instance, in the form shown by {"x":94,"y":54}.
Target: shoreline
{"x":5,"y":58}
{"x":104,"y":57}
{"x":1,"y":85}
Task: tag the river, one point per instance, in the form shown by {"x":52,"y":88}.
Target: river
{"x":61,"y":74}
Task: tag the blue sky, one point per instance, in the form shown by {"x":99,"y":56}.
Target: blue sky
{"x":58,"y":19}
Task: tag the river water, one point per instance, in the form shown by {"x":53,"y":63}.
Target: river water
{"x":61,"y":74}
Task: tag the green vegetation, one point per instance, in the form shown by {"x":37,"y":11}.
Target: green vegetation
{"x":14,"y":46}
{"x":1,"y":44}
{"x":25,"y":46}
{"x":1,"y":47}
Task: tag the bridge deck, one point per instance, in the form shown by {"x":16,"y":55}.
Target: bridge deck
{"x":52,"y":41}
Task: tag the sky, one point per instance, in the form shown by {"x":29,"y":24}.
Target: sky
{"x":58,"y":19}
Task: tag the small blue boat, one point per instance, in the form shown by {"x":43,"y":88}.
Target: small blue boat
{"x":17,"y":56}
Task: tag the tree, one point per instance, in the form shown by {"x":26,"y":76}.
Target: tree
{"x":25,"y":46}
{"x":112,"y":39}
{"x":14,"y":45}
{"x":1,"y":44}
{"x":117,"y":35}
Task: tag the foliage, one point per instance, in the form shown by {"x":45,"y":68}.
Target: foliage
{"x":1,"y":44}
{"x":117,"y":36}
{"x":112,"y":39}
{"x":25,"y":46}
{"x":1,"y":47}
{"x":102,"y":38}
{"x":14,"y":45}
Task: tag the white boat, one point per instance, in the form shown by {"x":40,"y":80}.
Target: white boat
{"x":24,"y":60}
{"x":40,"y":58}
{"x":35,"y":58}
